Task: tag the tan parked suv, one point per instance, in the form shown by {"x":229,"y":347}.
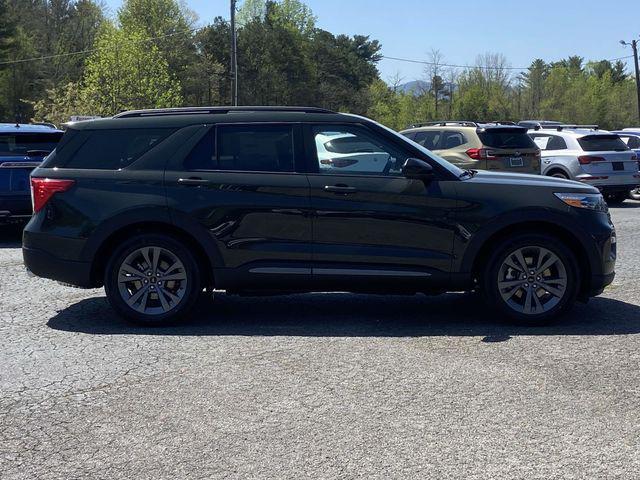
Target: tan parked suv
{"x":479,"y":146}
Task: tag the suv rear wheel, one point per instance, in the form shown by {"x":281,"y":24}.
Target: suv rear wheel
{"x":532,"y":278}
{"x":152,"y":279}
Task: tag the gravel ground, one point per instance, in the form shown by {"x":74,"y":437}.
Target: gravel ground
{"x":318,"y":386}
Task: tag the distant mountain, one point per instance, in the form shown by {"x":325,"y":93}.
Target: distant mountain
{"x":418,"y":87}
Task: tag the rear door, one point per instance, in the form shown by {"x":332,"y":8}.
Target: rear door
{"x":372,"y":225}
{"x":510,"y":149}
{"x":242,"y":184}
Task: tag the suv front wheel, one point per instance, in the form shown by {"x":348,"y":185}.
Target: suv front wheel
{"x":532,"y":278}
{"x":152,"y":279}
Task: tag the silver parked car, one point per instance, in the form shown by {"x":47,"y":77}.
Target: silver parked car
{"x":589,"y":155}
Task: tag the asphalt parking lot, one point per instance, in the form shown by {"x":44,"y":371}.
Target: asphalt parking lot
{"x":318,"y":386}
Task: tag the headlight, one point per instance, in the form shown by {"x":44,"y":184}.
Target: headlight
{"x":590,"y":201}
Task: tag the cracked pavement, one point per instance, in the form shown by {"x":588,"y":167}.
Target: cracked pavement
{"x":318,"y":386}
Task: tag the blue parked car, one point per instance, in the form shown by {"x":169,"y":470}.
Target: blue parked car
{"x":22,"y":148}
{"x":631,"y":136}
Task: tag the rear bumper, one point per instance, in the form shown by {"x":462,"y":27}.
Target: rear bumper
{"x":46,"y":265}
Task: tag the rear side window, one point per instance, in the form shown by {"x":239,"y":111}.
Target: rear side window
{"x":22,"y":143}
{"x":506,"y":138}
{"x":452,"y":140}
{"x":556,"y":143}
{"x":255,"y":148}
{"x":113,"y":149}
{"x":602,"y":143}
{"x":202,"y":157}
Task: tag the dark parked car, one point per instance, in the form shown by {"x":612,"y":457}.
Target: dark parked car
{"x":158,"y":205}
{"x":22,"y":148}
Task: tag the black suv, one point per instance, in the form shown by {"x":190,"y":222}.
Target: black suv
{"x":158,"y":205}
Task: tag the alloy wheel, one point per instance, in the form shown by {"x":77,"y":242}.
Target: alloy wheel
{"x":152,"y":280}
{"x":532,"y":280}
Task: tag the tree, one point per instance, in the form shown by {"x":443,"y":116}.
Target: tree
{"x":127,"y":72}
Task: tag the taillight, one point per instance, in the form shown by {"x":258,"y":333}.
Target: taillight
{"x":42,"y":189}
{"x":339,"y":162}
{"x":587,"y":159}
{"x":480,"y":154}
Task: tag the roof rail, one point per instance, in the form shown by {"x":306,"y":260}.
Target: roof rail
{"x":45,"y":124}
{"x":503,"y":122}
{"x":441,"y":123}
{"x":220,"y":110}
{"x":559,"y":128}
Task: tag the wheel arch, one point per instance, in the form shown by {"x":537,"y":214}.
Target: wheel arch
{"x":561,"y":232}
{"x":103,"y":252}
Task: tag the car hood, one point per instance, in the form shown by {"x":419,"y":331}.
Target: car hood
{"x":524,"y":180}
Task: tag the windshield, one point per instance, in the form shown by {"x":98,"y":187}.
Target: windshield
{"x":458,"y":172}
{"x":12,"y":144}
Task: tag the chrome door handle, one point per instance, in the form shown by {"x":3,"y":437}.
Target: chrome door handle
{"x":344,"y":189}
{"x":192,"y":181}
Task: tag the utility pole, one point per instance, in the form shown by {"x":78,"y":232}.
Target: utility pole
{"x":234,"y":56}
{"x":634,"y":47}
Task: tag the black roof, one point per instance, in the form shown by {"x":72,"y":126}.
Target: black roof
{"x":180,"y":117}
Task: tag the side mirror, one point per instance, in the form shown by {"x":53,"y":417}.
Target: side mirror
{"x":418,"y":169}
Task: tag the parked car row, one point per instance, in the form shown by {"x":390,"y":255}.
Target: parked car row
{"x":606,"y":160}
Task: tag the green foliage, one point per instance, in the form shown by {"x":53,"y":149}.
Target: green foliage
{"x":127,"y":71}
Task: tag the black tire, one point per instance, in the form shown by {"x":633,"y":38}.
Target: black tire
{"x":558,"y":174}
{"x":189,"y":293}
{"x":635,"y":194}
{"x":616,"y":198}
{"x":493,"y":269}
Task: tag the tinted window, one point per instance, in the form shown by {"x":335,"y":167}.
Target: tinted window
{"x":556,"y":143}
{"x":506,"y":138}
{"x":410,"y":135}
{"x":115,"y":149}
{"x":632,"y":142}
{"x":601,"y":143}
{"x":452,"y":140}
{"x":541,"y":141}
{"x":256,"y":148}
{"x":356,"y":150}
{"x":202,"y":157}
{"x":21,"y":143}
{"x":428,"y":140}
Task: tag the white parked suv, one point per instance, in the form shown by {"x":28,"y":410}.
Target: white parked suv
{"x":338,"y":150}
{"x":589,"y":155}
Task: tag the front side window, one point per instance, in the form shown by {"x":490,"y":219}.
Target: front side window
{"x":113,"y":149}
{"x":255,"y":148}
{"x":351,"y":149}
{"x":429,"y":139}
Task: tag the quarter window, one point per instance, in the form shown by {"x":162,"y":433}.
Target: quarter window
{"x":355,"y":150}
{"x":115,"y":149}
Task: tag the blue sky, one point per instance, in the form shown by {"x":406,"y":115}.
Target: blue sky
{"x":463,"y":29}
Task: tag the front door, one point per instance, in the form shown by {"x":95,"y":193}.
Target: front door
{"x":369,"y":220}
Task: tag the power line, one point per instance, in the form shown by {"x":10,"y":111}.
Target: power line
{"x":424,"y":62}
{"x":81,"y":52}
